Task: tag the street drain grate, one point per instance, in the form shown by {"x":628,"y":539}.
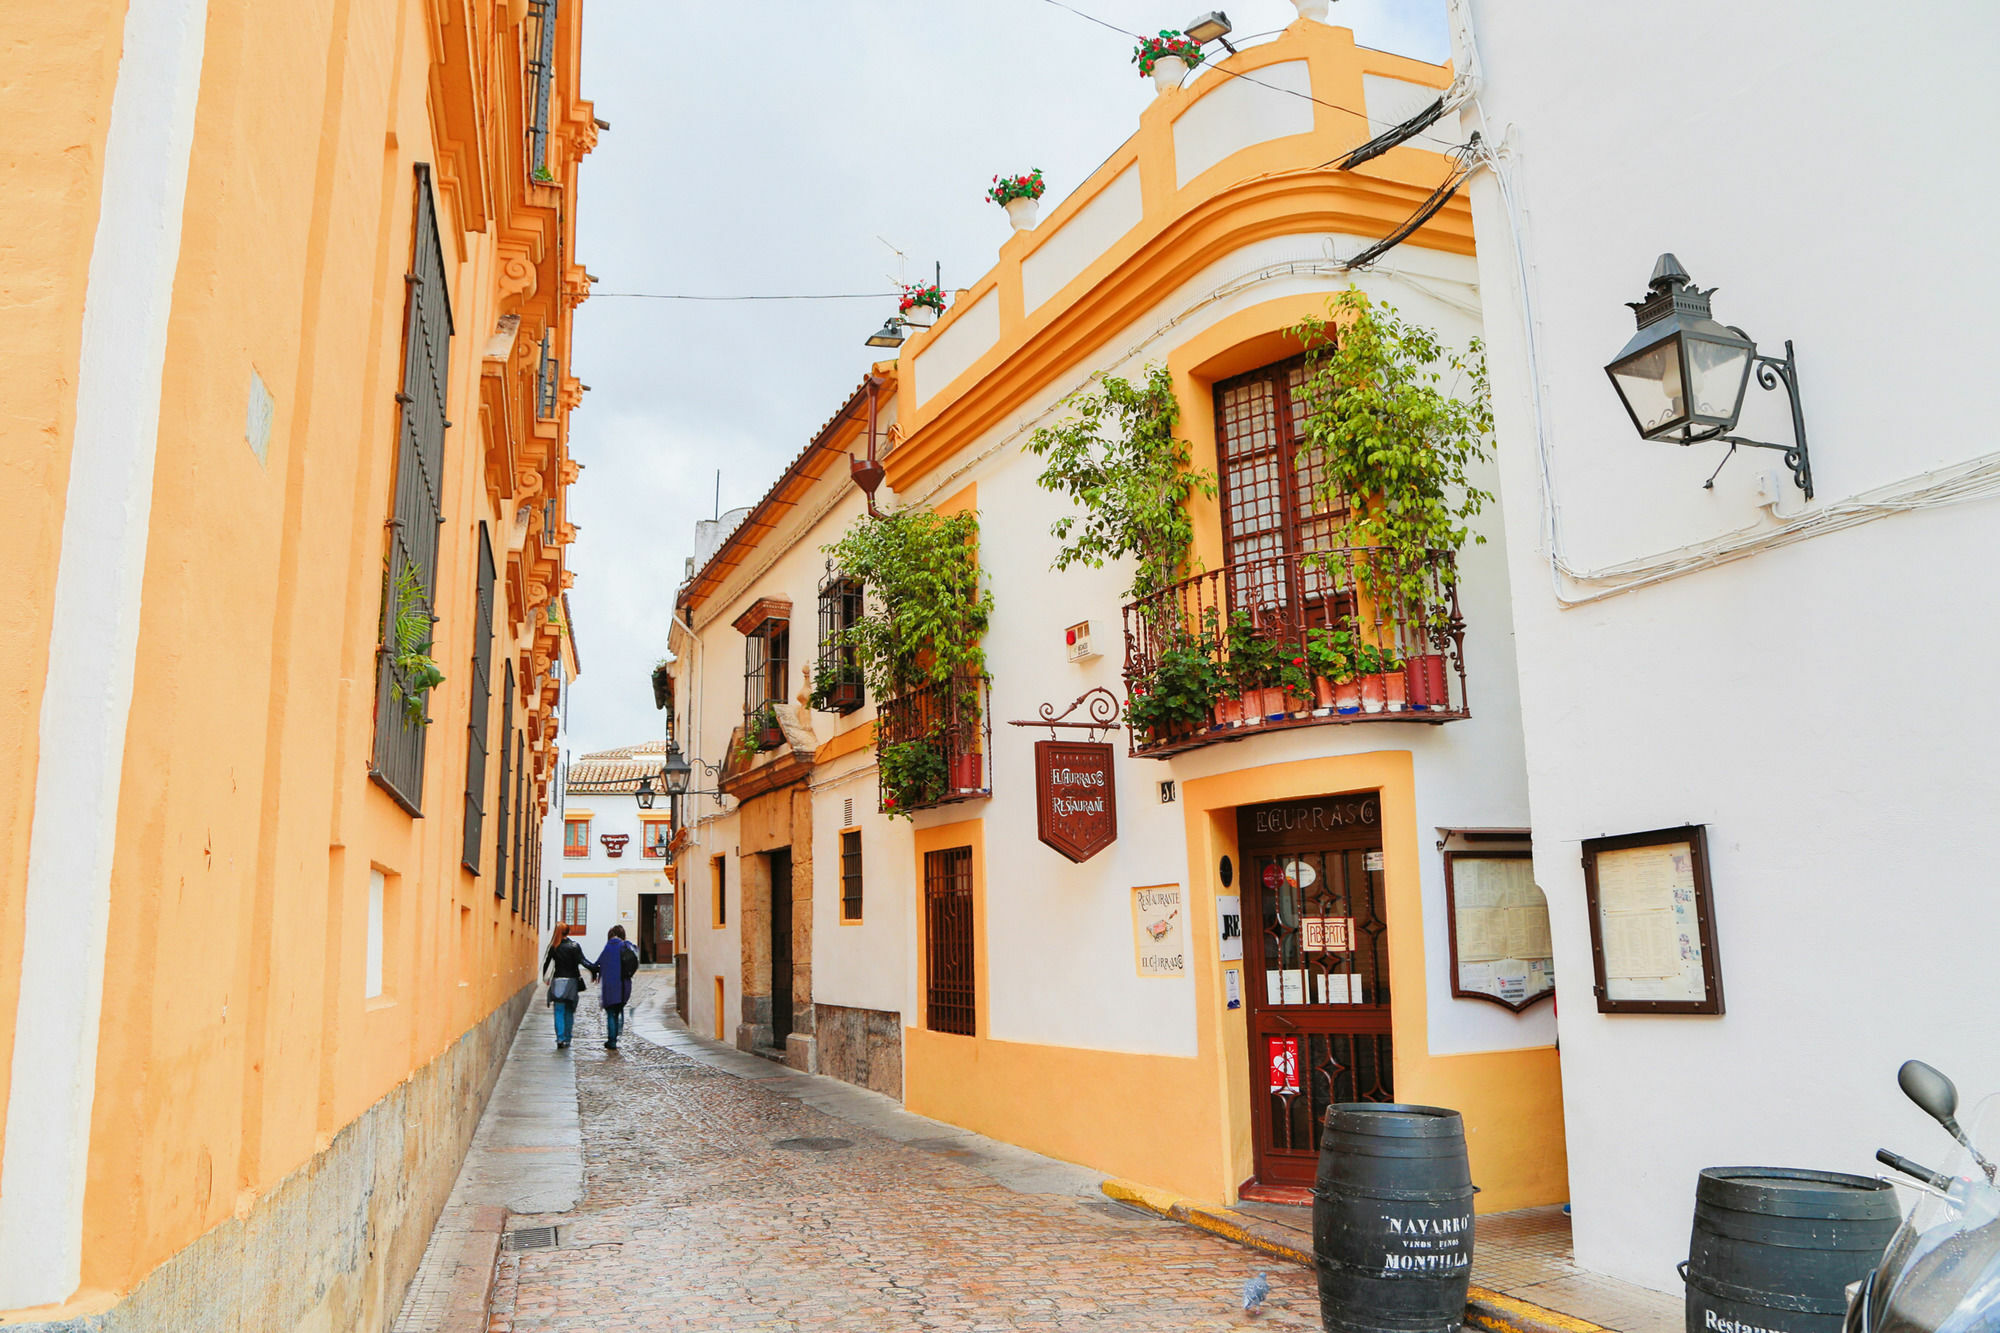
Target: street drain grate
{"x":813,"y":1145}
{"x":530,"y":1238}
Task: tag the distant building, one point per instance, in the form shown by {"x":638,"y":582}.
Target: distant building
{"x":607,"y":855}
{"x":288,"y":338}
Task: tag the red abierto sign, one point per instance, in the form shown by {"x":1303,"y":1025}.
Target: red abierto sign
{"x":1076,"y":797}
{"x":1284,"y":1064}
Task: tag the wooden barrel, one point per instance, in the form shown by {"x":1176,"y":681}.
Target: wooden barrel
{"x":1392,"y":1219}
{"x":1774,"y":1249}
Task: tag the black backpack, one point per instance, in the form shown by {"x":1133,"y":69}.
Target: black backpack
{"x":628,"y":962}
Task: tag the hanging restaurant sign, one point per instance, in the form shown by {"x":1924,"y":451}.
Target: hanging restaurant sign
{"x":1076,"y":794}
{"x":1076,"y":800}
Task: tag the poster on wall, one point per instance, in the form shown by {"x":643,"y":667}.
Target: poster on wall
{"x":1159,"y":931}
{"x":1652,"y":922}
{"x":1076,"y":805}
{"x":1284,"y":1053}
{"x":1498,"y":922}
{"x":1229,"y":926}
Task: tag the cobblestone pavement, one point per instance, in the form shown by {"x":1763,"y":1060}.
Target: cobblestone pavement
{"x":694,"y":1218}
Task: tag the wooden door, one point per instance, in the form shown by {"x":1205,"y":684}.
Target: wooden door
{"x":781,"y":947}
{"x":1316,"y":972}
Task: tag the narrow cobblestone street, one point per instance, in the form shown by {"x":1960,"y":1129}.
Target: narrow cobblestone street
{"x":700,"y":1214}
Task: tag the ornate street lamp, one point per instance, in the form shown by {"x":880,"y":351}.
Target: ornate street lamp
{"x":645,"y":793}
{"x":676,"y":772}
{"x":1682,"y":377}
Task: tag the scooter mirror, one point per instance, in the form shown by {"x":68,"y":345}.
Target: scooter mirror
{"x":1930,"y":1090}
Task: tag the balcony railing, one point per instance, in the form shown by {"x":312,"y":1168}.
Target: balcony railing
{"x":933,"y":744}
{"x":1284,"y":602}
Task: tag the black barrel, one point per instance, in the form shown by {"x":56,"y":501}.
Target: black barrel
{"x":1392,"y":1219}
{"x":1774,"y":1249}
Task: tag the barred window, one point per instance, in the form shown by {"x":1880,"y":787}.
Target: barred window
{"x":541,"y":69}
{"x":766,"y":652}
{"x":837,"y":683}
{"x":523,"y":826}
{"x":482,"y":705}
{"x":1272,"y":510}
{"x":501,"y":844}
{"x":850,"y":875}
{"x":409,"y":586}
{"x":949,"y":980}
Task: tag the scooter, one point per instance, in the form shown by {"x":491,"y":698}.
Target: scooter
{"x":1941,"y":1272}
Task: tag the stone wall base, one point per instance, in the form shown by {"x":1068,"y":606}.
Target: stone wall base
{"x":333,"y":1246}
{"x":861,"y":1046}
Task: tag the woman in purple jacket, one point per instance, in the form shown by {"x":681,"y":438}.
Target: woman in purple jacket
{"x":615,"y":968}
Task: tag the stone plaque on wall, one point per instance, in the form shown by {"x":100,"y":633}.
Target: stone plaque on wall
{"x":1075,"y":797}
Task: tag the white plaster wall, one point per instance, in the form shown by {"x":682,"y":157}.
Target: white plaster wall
{"x":1240,"y":113}
{"x":1059,"y":942}
{"x":1823,"y":708}
{"x":1390,"y":102}
{"x":1095,"y":228}
{"x":611,"y":883}
{"x":861,"y":966}
{"x":957,"y":346}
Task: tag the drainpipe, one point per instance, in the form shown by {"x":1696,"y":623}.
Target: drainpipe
{"x":868,"y":472}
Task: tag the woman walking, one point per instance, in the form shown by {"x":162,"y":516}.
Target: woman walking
{"x":565,"y":956}
{"x":615,"y":968}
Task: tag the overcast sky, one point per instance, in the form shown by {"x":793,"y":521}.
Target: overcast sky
{"x":762,"y":147}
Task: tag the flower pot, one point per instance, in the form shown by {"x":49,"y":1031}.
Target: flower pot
{"x":1228,"y":712}
{"x":844,"y":697}
{"x":1168,"y":72}
{"x":1312,"y":9}
{"x":1374,"y":694}
{"x":1297,"y":705}
{"x":770,"y":738}
{"x":1425,"y":672}
{"x":1347,"y":696}
{"x":660,"y":685}
{"x":1322,"y":692}
{"x":1251,"y":706}
{"x":1022,"y":212}
{"x":1271,"y":702}
{"x":1397,"y":685}
{"x":966,"y":772}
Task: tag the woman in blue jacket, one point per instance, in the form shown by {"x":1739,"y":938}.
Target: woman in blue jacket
{"x":615,"y":968}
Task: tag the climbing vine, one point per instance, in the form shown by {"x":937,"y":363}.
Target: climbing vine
{"x":925,"y":612}
{"x":1393,"y":440}
{"x":1119,"y":462}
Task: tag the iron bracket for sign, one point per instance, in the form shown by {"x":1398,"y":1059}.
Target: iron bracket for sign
{"x":1100,"y":709}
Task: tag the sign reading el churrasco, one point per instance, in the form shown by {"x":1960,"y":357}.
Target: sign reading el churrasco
{"x":1076,"y":800}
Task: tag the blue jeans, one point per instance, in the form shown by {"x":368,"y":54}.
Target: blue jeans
{"x":565,"y":1019}
{"x":614,"y":1022}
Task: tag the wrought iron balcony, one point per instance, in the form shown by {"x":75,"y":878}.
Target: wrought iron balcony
{"x":932,"y":744}
{"x":1205,"y":638}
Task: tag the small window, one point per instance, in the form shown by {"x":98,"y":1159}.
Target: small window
{"x":658,"y":833}
{"x":576,"y":911}
{"x":837,"y":683}
{"x":719,"y":874}
{"x":576,"y":837}
{"x":766,"y":653}
{"x":949,"y":982}
{"x":850,"y":875}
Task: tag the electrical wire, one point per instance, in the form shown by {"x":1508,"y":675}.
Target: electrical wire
{"x":1292,"y":92}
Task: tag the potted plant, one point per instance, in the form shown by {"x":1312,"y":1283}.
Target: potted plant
{"x":769,"y":732}
{"x":1178,"y":697}
{"x":1020,"y":196}
{"x":1425,"y":671}
{"x":1312,"y":9}
{"x":1330,"y":653}
{"x":413,"y":672}
{"x":1295,"y":678}
{"x":1252,"y":664}
{"x":912,"y":774}
{"x":836,"y":688}
{"x":922,"y":297}
{"x":1395,"y":681}
{"x":1166,"y":58}
{"x":1368,"y":666}
{"x":662,"y":683}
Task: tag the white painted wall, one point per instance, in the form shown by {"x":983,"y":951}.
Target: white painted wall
{"x":1822,"y":702}
{"x":612,"y":884}
{"x":1275,"y":103}
{"x":1071,"y":248}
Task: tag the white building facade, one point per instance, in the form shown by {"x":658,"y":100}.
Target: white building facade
{"x":1806,"y":680}
{"x":606,"y":854}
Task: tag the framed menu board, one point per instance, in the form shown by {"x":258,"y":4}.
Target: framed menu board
{"x":1498,"y":922}
{"x":1652,"y":923}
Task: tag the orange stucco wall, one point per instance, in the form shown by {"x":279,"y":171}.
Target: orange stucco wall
{"x":57,"y":101}
{"x":236,"y":1040}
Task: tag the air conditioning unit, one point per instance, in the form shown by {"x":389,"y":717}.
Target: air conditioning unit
{"x":1077,"y":640}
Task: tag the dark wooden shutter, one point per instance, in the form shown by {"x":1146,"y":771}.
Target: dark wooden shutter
{"x":521,"y":821}
{"x":541,"y":68}
{"x":398,"y":763}
{"x":951,"y":1001}
{"x":850,"y":875}
{"x":500,"y":844}
{"x":482,"y":705}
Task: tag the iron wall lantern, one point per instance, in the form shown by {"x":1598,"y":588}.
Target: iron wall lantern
{"x":645,"y":793}
{"x":676,"y":772}
{"x":1683,"y":376}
